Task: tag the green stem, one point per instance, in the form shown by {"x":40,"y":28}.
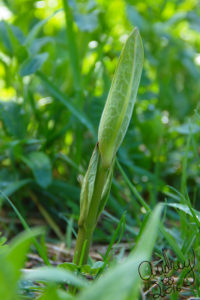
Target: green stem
{"x":87,"y":226}
{"x":83,"y":243}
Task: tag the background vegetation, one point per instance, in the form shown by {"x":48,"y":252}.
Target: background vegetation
{"x":57,"y":59}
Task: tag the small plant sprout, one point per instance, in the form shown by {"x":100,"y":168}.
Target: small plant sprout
{"x":112,"y":129}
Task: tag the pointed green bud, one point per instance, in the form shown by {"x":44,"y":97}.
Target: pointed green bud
{"x":121,"y":98}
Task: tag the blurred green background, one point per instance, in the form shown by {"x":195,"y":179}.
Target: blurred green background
{"x":57,"y":59}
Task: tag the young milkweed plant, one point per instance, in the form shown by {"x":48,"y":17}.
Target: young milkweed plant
{"x":112,"y":129}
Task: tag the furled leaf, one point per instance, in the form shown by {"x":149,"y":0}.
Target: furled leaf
{"x":106,"y":190}
{"x":121,"y":98}
{"x":88,"y":184}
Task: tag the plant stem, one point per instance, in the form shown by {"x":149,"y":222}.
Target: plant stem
{"x":84,"y":236}
{"x":87,"y":226}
